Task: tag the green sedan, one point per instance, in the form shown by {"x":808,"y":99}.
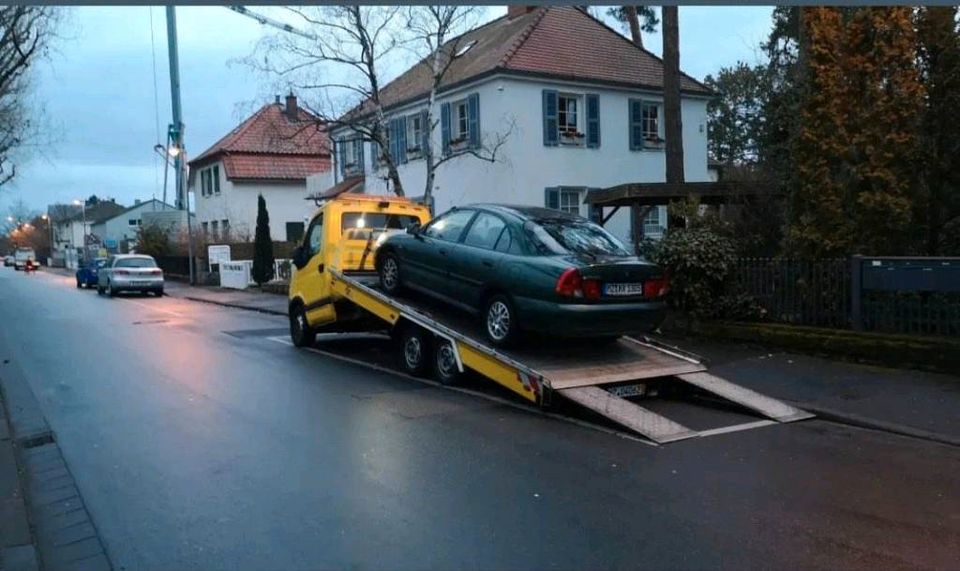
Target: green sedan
{"x":525,"y":268}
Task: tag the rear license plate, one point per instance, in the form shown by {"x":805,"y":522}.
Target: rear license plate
{"x":623,"y":289}
{"x":141,"y":283}
{"x":624,"y":391}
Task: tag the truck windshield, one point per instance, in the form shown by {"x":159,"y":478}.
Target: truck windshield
{"x":358,"y":225}
{"x":136,"y":263}
{"x":563,"y":235}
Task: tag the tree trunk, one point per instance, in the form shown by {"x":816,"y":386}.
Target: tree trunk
{"x":633,"y":19}
{"x":673,"y":125}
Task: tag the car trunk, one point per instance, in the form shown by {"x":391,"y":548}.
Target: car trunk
{"x":621,"y":278}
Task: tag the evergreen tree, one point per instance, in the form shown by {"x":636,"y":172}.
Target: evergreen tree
{"x":735,"y":115}
{"x":262,"y":270}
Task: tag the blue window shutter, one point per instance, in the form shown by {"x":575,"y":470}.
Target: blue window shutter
{"x":402,"y":138}
{"x":552,"y":197}
{"x":635,"y":124}
{"x":445,"y":127}
{"x":394,"y":156}
{"x":550,"y":118}
{"x":424,"y":132}
{"x":594,"y":213}
{"x":473,"y":120}
{"x":359,"y":143}
{"x":374,"y":148}
{"x":593,"y":120}
{"x":341,"y":157}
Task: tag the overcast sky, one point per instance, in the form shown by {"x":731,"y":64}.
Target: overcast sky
{"x":98,"y":97}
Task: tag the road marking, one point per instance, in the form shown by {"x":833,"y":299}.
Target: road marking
{"x":493,"y":398}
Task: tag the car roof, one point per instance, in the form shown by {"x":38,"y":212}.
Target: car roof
{"x":525,"y":212}
{"x":128,"y":256}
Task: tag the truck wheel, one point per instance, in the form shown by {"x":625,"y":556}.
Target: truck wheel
{"x":500,"y":321}
{"x":416,"y":349}
{"x":445,"y":364}
{"x":301,"y":333}
{"x":390,"y":274}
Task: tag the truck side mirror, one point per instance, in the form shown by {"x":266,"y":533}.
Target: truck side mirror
{"x":300,"y":257}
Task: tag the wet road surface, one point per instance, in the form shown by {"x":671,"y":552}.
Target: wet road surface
{"x":198,"y":442}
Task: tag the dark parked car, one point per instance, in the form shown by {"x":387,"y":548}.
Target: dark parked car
{"x":87,"y":274}
{"x":526,"y":268}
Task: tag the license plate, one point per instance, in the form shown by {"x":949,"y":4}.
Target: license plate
{"x":623,"y":289}
{"x":141,"y":283}
{"x":624,"y":391}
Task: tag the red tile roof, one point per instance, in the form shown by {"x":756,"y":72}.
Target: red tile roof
{"x":559,"y":42}
{"x":270,"y":146}
{"x":348,"y":184}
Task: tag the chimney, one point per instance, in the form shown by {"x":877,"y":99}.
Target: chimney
{"x":517,"y":10}
{"x":277,"y":100}
{"x":291,"y":111}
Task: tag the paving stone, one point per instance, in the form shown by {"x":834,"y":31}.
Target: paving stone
{"x":40,"y":499}
{"x":49,"y":475}
{"x":64,"y":520}
{"x":52,"y":483}
{"x":19,"y":558}
{"x":14,"y":527}
{"x":58,"y":508}
{"x":96,"y":563}
{"x":57,"y":557}
{"x":67,"y":535}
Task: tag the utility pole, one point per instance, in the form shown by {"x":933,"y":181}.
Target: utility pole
{"x":176,"y":132}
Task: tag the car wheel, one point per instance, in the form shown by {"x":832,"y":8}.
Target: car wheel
{"x":301,"y":333}
{"x":445,"y":364}
{"x":110,"y":291}
{"x":500,"y":321}
{"x":99,"y":289}
{"x":415,"y":351}
{"x":158,"y":293}
{"x":79,"y":284}
{"x":390,"y":274}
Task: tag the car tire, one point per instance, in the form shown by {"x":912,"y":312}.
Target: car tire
{"x":158,"y":293}
{"x":445,"y":364}
{"x":500,"y":323}
{"x":389,"y":272}
{"x":79,"y":284}
{"x":416,"y":351}
{"x":301,"y":333}
{"x":110,"y":291}
{"x":99,"y":289}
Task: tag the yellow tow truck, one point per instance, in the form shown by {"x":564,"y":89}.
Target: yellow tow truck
{"x":334,"y":289}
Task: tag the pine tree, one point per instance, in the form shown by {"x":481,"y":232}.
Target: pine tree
{"x":262,"y":270}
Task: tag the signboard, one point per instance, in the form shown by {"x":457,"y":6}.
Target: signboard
{"x":216,"y":255}
{"x":110,"y":243}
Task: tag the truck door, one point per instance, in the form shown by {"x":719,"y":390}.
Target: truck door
{"x":315,"y":279}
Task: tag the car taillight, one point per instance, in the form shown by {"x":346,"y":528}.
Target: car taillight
{"x":656,"y":288}
{"x":156,"y":272}
{"x":122,"y":272}
{"x":570,"y":283}
{"x":591,"y":289}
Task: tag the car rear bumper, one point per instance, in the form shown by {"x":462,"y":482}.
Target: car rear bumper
{"x":589,"y":320}
{"x":136,"y":284}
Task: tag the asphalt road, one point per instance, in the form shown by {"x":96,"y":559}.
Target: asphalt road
{"x":198,"y":442}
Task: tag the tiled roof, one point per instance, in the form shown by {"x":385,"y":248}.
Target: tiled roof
{"x":561,"y":42}
{"x":97,"y":213}
{"x":348,"y":184}
{"x":270,"y":146}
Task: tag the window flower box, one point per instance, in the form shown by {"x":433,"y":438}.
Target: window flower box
{"x":571,"y":137}
{"x":458,"y":144}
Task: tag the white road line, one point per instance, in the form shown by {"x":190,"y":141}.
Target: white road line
{"x":737,"y":427}
{"x":496,"y":399}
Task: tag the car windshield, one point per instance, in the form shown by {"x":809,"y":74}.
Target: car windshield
{"x":576,"y":236}
{"x":358,"y":225}
{"x":136,"y":263}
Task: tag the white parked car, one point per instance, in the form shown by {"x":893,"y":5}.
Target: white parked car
{"x":130,"y":272}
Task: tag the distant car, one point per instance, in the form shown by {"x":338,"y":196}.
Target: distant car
{"x":20,"y":257}
{"x":9,"y":261}
{"x":130,"y":272}
{"x":87,"y":274}
{"x":526,"y":268}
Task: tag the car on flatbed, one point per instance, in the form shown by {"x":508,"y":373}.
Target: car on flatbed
{"x":130,"y":272}
{"x":524,"y":268}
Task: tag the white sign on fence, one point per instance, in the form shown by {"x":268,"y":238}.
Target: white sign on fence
{"x":217,"y":255}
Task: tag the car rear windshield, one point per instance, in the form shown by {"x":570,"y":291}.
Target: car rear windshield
{"x":136,"y":263}
{"x":564,"y":235}
{"x":354,"y":223}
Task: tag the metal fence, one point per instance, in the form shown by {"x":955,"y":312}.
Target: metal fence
{"x":893,"y":295}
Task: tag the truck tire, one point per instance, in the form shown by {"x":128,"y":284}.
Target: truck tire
{"x":389,"y":272}
{"x":301,"y":333}
{"x":416,"y":351}
{"x":500,"y":321}
{"x":445,"y":364}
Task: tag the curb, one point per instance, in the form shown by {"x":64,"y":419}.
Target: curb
{"x":850,"y":419}
{"x":235,"y":305}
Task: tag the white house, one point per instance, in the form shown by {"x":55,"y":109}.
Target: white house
{"x":69,"y":231}
{"x":271,"y":153}
{"x":118,"y":233}
{"x":575,"y":104}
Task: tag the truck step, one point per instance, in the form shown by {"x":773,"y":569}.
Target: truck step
{"x":769,"y":407}
{"x":650,"y":424}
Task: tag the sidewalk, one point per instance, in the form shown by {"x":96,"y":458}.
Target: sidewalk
{"x":251,"y":299}
{"x":905,"y":401}
{"x":17,"y":551}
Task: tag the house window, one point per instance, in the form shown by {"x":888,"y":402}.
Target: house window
{"x":133,"y":222}
{"x":414,"y":134}
{"x":294,"y":231}
{"x":225,"y":226}
{"x":569,"y":200}
{"x":206,"y":228}
{"x":650,"y":124}
{"x":352,"y":156}
{"x":569,"y":119}
{"x":216,"y":179}
{"x":651,"y":223}
{"x":204,"y":182}
{"x":461,"y":122}
{"x":214,"y":229}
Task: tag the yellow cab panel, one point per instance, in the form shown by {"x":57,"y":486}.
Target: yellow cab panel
{"x":343,"y":234}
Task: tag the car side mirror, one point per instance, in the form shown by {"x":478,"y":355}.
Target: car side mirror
{"x":300,"y":257}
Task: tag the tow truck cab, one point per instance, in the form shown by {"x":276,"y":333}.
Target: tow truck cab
{"x":343,"y":234}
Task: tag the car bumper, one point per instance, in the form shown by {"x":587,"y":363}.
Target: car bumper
{"x":137,"y":284}
{"x":589,"y":320}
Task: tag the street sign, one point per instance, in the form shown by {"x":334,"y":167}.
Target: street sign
{"x":217,"y":254}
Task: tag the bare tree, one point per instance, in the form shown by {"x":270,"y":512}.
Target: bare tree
{"x":673,"y":126}
{"x":431,"y":28}
{"x":24,"y":35}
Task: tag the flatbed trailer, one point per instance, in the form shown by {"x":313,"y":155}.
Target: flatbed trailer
{"x":591,"y":374}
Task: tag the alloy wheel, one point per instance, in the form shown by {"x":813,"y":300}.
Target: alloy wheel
{"x":390,"y":273}
{"x":498,"y":320}
{"x":413,"y":352}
